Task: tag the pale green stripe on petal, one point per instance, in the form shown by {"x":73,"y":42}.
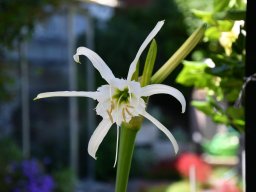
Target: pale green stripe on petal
{"x":93,"y":95}
{"x":97,"y":62}
{"x":98,"y":136}
{"x":164,"y":89}
{"x":151,"y":35}
{"x":163,"y":129}
{"x":117,"y":144}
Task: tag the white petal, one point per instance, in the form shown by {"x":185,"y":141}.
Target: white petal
{"x":164,"y":89}
{"x":163,"y":129}
{"x":97,"y":62}
{"x":119,"y":83}
{"x":93,"y":95}
{"x":98,"y":136}
{"x":151,"y":35}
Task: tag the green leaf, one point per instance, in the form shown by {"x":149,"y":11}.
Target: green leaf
{"x":204,"y":16}
{"x":135,"y":75}
{"x":212,"y":33}
{"x":225,"y":25}
{"x":203,"y":106}
{"x":236,"y":113}
{"x":226,"y":67}
{"x":220,"y":118}
{"x":149,"y":64}
{"x":237,"y":118}
{"x":193,"y":74}
{"x":211,"y":109}
{"x":220,"y":5}
{"x":230,"y":15}
{"x":231,"y":87}
{"x":221,"y":144}
{"x":239,"y":122}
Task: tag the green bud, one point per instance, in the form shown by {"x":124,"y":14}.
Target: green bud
{"x":179,"y":55}
{"x":149,"y":64}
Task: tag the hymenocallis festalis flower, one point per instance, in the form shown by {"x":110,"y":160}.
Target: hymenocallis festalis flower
{"x":120,"y":100}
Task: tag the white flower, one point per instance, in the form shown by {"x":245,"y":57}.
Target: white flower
{"x":228,"y":38}
{"x":121,"y":99}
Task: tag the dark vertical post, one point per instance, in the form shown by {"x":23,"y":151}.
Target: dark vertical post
{"x":250,"y":98}
{"x":25,"y":97}
{"x":90,"y":79}
{"x":73,"y":106}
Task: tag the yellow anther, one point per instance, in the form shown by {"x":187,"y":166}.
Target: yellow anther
{"x":110,"y":116}
{"x":128,"y":112}
{"x":123,"y":113}
{"x":112,"y":107}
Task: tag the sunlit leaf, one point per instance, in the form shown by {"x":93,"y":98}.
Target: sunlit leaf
{"x":220,"y":5}
{"x":203,"y":106}
{"x":204,"y":16}
{"x":230,"y":15}
{"x":212,"y":33}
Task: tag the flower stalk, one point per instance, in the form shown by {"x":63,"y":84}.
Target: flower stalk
{"x":179,"y":55}
{"x":127,"y":141}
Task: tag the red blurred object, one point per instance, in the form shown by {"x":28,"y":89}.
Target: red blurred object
{"x":226,"y":186}
{"x":186,"y":160}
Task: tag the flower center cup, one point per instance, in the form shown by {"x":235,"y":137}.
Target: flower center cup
{"x":122,"y":96}
{"x":120,"y":101}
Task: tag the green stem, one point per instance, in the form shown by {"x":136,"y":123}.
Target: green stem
{"x":179,"y":55}
{"x":127,"y":140}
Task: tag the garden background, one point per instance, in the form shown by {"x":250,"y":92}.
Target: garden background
{"x":47,"y":140}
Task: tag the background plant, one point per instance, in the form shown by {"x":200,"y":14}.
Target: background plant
{"x":217,"y":66}
{"x":16,"y":16}
{"x":30,"y":175}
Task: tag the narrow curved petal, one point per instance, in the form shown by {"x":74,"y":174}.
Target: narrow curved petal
{"x":98,"y":136}
{"x":164,"y":89}
{"x":117,"y":144}
{"x":151,"y":35}
{"x":163,"y":129}
{"x":97,"y":62}
{"x":93,"y":95}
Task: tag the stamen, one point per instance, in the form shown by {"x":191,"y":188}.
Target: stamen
{"x":128,"y":112}
{"x":117,"y":108}
{"x":129,"y":106}
{"x":112,"y":106}
{"x":110,"y":116}
{"x":123,"y":113}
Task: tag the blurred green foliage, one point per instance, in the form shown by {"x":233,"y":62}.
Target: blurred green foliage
{"x":218,"y":65}
{"x":223,"y":144}
{"x":17,"y":16}
{"x":65,"y":180}
{"x":9,"y":152}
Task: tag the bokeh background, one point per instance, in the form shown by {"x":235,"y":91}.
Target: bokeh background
{"x":43,"y":144}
